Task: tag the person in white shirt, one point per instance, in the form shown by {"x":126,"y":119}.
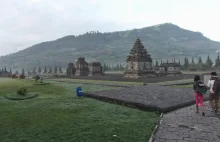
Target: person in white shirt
{"x":213,"y":97}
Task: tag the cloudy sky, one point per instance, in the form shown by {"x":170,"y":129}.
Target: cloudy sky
{"x":27,"y":22}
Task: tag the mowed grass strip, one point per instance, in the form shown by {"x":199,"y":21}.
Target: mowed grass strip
{"x":173,"y":82}
{"x":57,"y":115}
{"x":96,"y":81}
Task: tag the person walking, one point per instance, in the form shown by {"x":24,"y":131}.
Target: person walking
{"x":199,"y":91}
{"x":213,"y":97}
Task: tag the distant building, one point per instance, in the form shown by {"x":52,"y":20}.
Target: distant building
{"x":82,"y":68}
{"x":71,"y":70}
{"x":139,"y":62}
{"x":95,"y":69}
{"x":171,"y":68}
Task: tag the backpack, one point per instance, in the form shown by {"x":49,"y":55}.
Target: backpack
{"x":216,"y":86}
{"x":201,"y":88}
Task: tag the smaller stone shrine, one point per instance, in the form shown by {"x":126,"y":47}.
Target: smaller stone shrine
{"x":171,"y":68}
{"x":82,"y":67}
{"x":71,"y":70}
{"x":139,"y":62}
{"x":160,"y":70}
{"x":95,"y":69}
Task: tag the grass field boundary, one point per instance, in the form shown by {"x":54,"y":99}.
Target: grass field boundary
{"x":20,"y":99}
{"x":140,"y":106}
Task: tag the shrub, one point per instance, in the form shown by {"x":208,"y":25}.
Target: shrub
{"x":14,"y":76}
{"x":37,"y":78}
{"x":22,"y":92}
{"x":22,"y":76}
{"x":193,"y":69}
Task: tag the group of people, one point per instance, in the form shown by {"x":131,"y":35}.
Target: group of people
{"x":200,"y":89}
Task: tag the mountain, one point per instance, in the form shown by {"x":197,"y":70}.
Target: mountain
{"x":164,"y":41}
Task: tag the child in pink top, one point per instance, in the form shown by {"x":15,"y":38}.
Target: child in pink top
{"x":198,"y":96}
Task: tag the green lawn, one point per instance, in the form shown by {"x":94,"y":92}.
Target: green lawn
{"x":59,"y":116}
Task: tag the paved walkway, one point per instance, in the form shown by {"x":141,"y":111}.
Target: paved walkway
{"x":151,"y":96}
{"x":184,"y":125}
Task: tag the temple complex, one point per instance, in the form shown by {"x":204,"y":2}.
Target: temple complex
{"x":71,"y":70}
{"x":82,"y":68}
{"x":95,"y":69}
{"x":139,"y":62}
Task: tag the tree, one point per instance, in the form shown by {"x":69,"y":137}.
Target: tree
{"x":16,"y":72}
{"x":104,"y":67}
{"x":55,"y":69}
{"x":192,"y":63}
{"x":5,"y":69}
{"x":209,"y":62}
{"x":45,"y":69}
{"x":34,"y":71}
{"x":10,"y":71}
{"x":186,"y":63}
{"x":157,"y":64}
{"x":179,"y":62}
{"x":192,"y":66}
{"x":200,"y":60}
{"x":217,"y":62}
{"x":39,"y":70}
{"x":22,"y":72}
{"x":50,"y":70}
{"x":60,"y":70}
{"x":200,"y":65}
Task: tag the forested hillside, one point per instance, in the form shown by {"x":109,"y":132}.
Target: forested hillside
{"x":165,"y":41}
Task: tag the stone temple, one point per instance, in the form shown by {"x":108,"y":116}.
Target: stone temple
{"x":139,"y":62}
{"x":82,"y":67}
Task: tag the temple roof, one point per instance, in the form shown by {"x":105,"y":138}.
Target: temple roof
{"x":81,"y":61}
{"x":95,"y":63}
{"x":138,"y":52}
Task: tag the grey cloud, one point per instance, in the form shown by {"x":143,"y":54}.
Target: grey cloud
{"x":27,"y":22}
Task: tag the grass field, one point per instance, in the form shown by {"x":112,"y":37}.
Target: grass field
{"x":58,"y":115}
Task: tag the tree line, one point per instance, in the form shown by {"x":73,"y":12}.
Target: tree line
{"x":188,"y":64}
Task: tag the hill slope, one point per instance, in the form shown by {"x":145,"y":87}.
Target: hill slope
{"x":162,"y":41}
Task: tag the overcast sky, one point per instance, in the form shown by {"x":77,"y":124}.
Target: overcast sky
{"x":27,"y":22}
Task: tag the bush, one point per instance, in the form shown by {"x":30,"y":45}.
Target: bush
{"x":14,"y":76}
{"x":193,"y":69}
{"x":37,"y":78}
{"x":22,"y":92}
{"x":22,"y":76}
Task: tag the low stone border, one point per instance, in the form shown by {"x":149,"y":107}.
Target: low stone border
{"x":156,"y":128}
{"x":122,"y":102}
{"x":184,"y":83}
{"x":139,"y":105}
{"x":19,"y":99}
